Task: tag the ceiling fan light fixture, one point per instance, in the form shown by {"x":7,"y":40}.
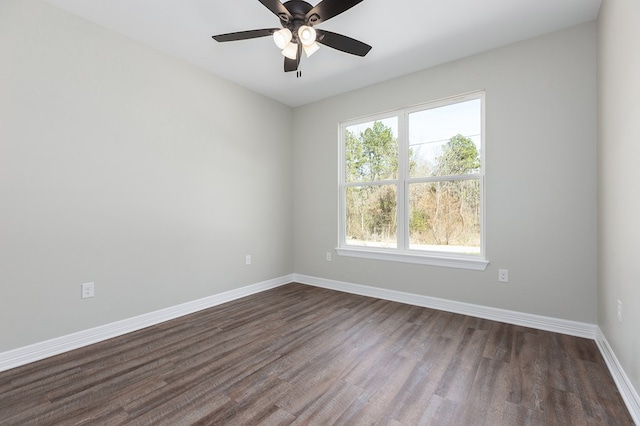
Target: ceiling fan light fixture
{"x":282,"y":37}
{"x":307,"y":35}
{"x":311,"y":49}
{"x":290,"y":51}
{"x":296,"y":31}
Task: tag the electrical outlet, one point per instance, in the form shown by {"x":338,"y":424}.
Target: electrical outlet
{"x":503,"y":275}
{"x":328,"y":256}
{"x":619,"y":311}
{"x":87,"y":290}
{"x":247,"y":259}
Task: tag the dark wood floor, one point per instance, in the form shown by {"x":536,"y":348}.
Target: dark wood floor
{"x":305,"y":355}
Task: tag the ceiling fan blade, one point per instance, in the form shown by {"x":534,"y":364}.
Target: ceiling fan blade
{"x":277,"y":8}
{"x":327,"y":9}
{"x":244,"y":35}
{"x":343,"y":43}
{"x":292,"y":64}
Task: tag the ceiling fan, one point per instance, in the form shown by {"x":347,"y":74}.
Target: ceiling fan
{"x":298,"y":18}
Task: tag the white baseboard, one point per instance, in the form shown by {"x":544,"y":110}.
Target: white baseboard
{"x":21,"y":356}
{"x":625,"y":386}
{"x":539,"y":322}
{"x":41,"y":350}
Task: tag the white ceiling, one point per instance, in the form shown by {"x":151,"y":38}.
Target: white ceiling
{"x":406,"y":35}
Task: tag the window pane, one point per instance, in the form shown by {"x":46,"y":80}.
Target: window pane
{"x":371,"y":216}
{"x":371,"y":151}
{"x":445,"y":216}
{"x":446,"y":140}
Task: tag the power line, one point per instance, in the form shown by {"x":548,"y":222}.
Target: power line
{"x":442,"y":140}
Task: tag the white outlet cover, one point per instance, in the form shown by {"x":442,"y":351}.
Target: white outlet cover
{"x":87,"y":290}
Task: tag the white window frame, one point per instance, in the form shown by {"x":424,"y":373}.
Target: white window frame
{"x":403,"y":253}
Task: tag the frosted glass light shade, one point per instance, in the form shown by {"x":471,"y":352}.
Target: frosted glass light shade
{"x":282,"y":37}
{"x":311,"y":49}
{"x":290,"y":51}
{"x":307,"y":35}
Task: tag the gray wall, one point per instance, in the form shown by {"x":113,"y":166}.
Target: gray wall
{"x":618,"y":199}
{"x":125,"y":167}
{"x":540,"y":179}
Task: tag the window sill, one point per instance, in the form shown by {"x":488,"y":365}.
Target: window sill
{"x":476,"y":264}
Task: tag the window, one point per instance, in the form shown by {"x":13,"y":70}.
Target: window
{"x":412,"y":183}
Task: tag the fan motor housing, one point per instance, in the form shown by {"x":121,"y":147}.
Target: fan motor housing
{"x":298,"y":10}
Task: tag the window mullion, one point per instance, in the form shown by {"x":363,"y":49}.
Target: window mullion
{"x":371,"y":183}
{"x":444,"y":178}
{"x":403,"y":174}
